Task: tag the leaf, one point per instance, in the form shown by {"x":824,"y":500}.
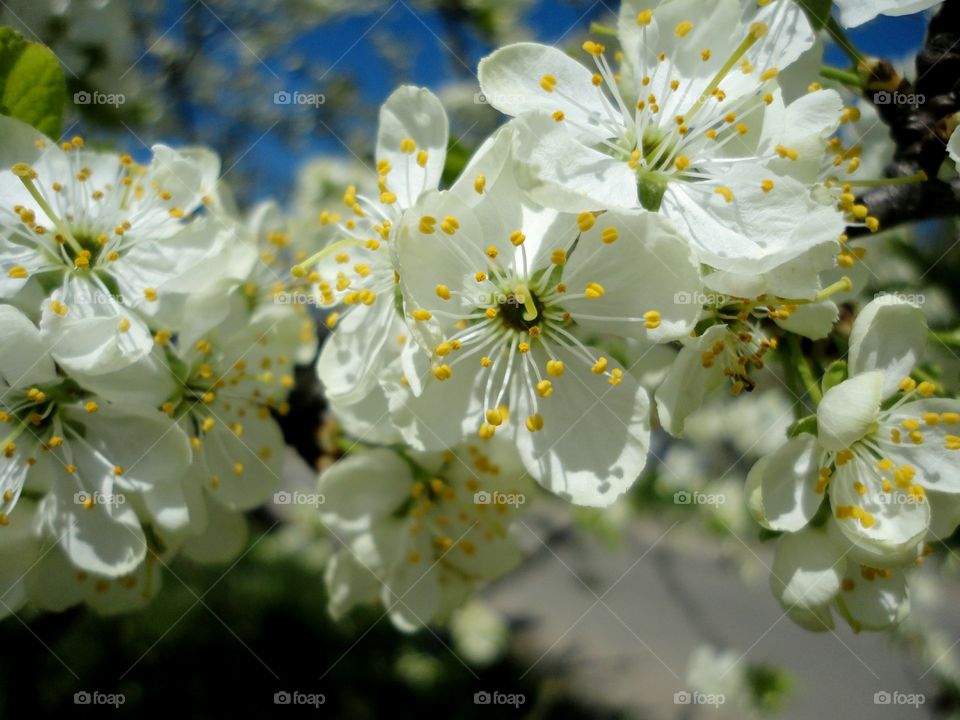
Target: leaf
{"x":32,"y":85}
{"x":835,"y":374}
{"x":806,"y":425}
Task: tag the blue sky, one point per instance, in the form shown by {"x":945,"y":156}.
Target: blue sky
{"x":350,"y":44}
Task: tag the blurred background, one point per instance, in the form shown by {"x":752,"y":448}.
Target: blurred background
{"x":616,"y":613}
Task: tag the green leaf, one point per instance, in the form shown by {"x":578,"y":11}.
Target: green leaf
{"x":818,"y":12}
{"x":806,"y":425}
{"x":835,"y":374}
{"x":32,"y":86}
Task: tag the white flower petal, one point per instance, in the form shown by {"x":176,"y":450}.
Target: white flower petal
{"x":756,"y":231}
{"x":812,"y":320}
{"x":879,"y":603}
{"x":24,"y":356}
{"x":781,"y":487}
{"x":417,"y":114}
{"x":888,"y":335}
{"x":854,"y":13}
{"x":361,"y":490}
{"x":649,"y":267}
{"x":849,"y":409}
{"x":558,"y":171}
{"x":807,"y":570}
{"x":223,"y":538}
{"x":510,"y":80}
{"x":348,"y":584}
{"x":897,"y":520}
{"x":595,"y":436}
{"x":688,"y":382}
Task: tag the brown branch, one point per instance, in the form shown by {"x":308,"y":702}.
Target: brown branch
{"x":921,"y":130}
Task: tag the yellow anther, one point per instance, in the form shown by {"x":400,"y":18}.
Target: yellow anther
{"x":554,"y":368}
{"x":495,"y":417}
{"x":558,"y":256}
{"x":427,"y":223}
{"x":609,"y":235}
{"x":595,"y":49}
{"x":150,"y":294}
{"x":926,"y":389}
{"x":682,"y":163}
{"x":450,"y":225}
{"x":18,"y":272}
{"x":480,"y":183}
{"x":548,"y":83}
{"x":534,"y":423}
{"x":91,"y":406}
{"x":585,"y":221}
{"x":544,"y":388}
{"x":421,"y":315}
{"x":651,"y":319}
{"x":725,"y":192}
{"x":443,"y":292}
{"x":442,"y":372}
{"x":600,"y":366}
{"x":645,"y":17}
{"x":407,"y":146}
{"x":422,"y":158}
{"x":908,"y":384}
{"x":769,"y":74}
{"x":594,"y":291}
{"x":766,"y":185}
{"x":683,"y":28}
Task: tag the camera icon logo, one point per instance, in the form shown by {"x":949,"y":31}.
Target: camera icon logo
{"x":282,"y":698}
{"x":882,"y":97}
{"x":482,"y":698}
{"x":682,"y":497}
{"x":82,"y":97}
{"x":681,"y":697}
{"x":480,"y":99}
{"x":683,"y":298}
{"x":81,"y":497}
{"x":482,"y":497}
{"x":282,"y":498}
{"x":281,"y":97}
{"x":881,"y":697}
{"x":82,"y":698}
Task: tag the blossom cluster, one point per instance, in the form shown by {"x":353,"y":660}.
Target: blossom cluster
{"x":653,"y":224}
{"x":692,"y":189}
{"x":144,"y":362}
